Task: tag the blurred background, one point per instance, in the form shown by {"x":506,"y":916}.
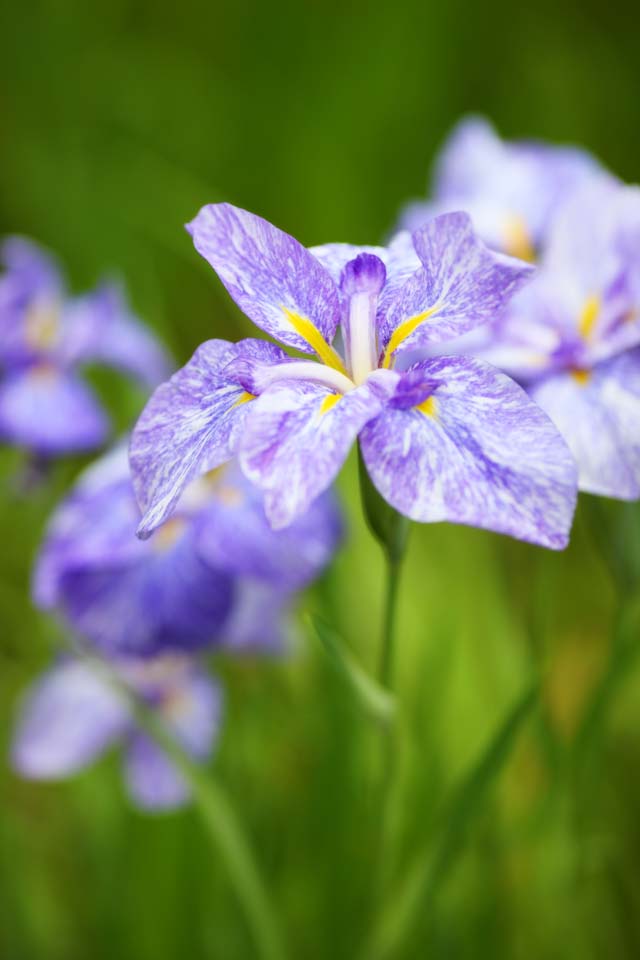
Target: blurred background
{"x":118,"y":120}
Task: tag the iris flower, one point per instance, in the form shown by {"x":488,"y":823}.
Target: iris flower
{"x":511,"y":190}
{"x":45,"y":338}
{"x":450,"y":438}
{"x":573,"y":336}
{"x":73,"y":714}
{"x":214,"y":573}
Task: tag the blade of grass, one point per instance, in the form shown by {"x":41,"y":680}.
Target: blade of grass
{"x":425,"y":877}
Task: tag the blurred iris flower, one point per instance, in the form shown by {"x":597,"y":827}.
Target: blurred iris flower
{"x":45,"y":337}
{"x":215,"y":572}
{"x":510,"y":189}
{"x":74,"y":713}
{"x":448,"y":439}
{"x":573,"y":336}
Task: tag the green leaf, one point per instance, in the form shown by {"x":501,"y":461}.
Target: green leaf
{"x":425,"y":876}
{"x":371,"y":698}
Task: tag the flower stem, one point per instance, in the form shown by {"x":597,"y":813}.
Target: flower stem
{"x":385,"y":670}
{"x":391,"y":530}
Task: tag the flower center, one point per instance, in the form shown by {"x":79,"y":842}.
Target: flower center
{"x":42,"y":325}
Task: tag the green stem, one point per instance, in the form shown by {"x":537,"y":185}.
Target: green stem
{"x":385,"y":671}
{"x":223,"y":827}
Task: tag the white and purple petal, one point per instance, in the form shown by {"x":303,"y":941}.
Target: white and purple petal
{"x":462,"y":284}
{"x":190,"y":425}
{"x":69,"y":717}
{"x":268,"y":273}
{"x":298,"y":437}
{"x":598,"y":414}
{"x":462,"y":442}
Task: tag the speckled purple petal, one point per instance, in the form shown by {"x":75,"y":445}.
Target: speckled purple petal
{"x":463,"y":282}
{"x":235,"y":535}
{"x":50,"y":412}
{"x":100,"y":328}
{"x":190,"y":425}
{"x":266,"y":270}
{"x":510,"y":190}
{"x":69,"y":717}
{"x":294,"y":445}
{"x":599,"y":417}
{"x":480,"y":453}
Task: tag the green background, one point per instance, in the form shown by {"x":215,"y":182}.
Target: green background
{"x":118,"y":120}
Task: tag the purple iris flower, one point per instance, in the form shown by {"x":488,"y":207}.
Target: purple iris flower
{"x":45,"y":337}
{"x":510,"y":190}
{"x":451,"y":438}
{"x":73,"y":714}
{"x":573,"y":336}
{"x":215,"y":572}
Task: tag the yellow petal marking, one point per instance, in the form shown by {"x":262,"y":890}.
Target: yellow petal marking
{"x":329,"y":402}
{"x":404,"y":330}
{"x":517,"y":242}
{"x":309,"y":332}
{"x":589,"y":316}
{"x":429,"y":407}
{"x":581,"y":377}
{"x":244,"y":398}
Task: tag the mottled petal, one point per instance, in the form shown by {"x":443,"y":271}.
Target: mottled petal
{"x":189,"y":426}
{"x":68,"y":718}
{"x":235,"y":535}
{"x":271,"y":276}
{"x":598,"y":414}
{"x":298,"y":437}
{"x":462,"y":284}
{"x":510,"y":190}
{"x":100,"y":328}
{"x":51,"y":412}
{"x":461,"y":442}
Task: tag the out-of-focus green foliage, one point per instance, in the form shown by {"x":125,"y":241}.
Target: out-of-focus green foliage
{"x":118,"y":119}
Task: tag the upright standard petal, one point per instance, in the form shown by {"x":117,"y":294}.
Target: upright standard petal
{"x":461,"y":285}
{"x":462,"y":442}
{"x":190,"y":425}
{"x":298,"y":437}
{"x":598,"y":414}
{"x":276,"y":281}
{"x":51,"y":412}
{"x":68,"y":718}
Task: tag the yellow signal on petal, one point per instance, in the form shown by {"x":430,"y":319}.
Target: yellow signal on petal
{"x":428,"y":407}
{"x":517,"y":242}
{"x":244,"y":397}
{"x":309,"y":332}
{"x":404,"y":330}
{"x":582,"y":377}
{"x":589,"y":316}
{"x":329,"y":403}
